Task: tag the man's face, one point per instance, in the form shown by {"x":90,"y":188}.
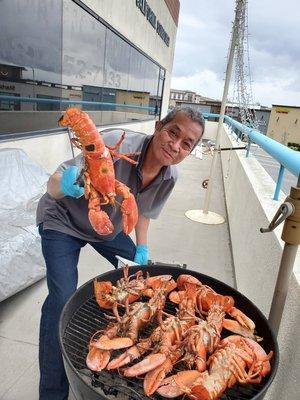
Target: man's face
{"x":175,"y":140}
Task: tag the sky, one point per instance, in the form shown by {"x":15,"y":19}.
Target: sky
{"x":202,"y":44}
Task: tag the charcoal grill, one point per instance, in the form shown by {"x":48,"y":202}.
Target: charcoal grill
{"x":81,"y":317}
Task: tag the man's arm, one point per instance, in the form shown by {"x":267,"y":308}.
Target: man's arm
{"x":54,"y":186}
{"x":64,"y":183}
{"x":141,"y":230}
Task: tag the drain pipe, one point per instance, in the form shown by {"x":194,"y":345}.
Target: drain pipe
{"x":289,"y":211}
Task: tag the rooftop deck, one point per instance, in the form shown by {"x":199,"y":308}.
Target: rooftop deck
{"x":173,"y":239}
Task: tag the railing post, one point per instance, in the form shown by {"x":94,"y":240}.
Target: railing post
{"x":248,"y":147}
{"x":279,"y":182}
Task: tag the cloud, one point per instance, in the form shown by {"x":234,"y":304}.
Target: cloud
{"x":201,"y":82}
{"x":203,"y":40}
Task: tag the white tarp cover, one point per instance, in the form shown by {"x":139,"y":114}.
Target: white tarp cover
{"x":23,"y":182}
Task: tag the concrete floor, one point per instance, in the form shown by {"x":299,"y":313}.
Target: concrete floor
{"x":173,"y":238}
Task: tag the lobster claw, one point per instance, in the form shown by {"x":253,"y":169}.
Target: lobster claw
{"x":184,"y":279}
{"x":177,"y":296}
{"x":129,"y":355}
{"x":147,"y":364}
{"x":154,"y":378}
{"x":235,"y":327}
{"x":102,"y":290}
{"x":179,"y":384}
{"x":129,"y":213}
{"x":112,"y":344}
{"x":97,"y":359}
{"x":99,"y":219}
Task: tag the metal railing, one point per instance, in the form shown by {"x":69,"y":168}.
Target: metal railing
{"x":42,"y":132}
{"x":74,"y":102}
{"x":286,"y":157}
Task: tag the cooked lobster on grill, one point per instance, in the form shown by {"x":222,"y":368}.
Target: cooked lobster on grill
{"x":127,"y":289}
{"x":237,"y":359}
{"x":202,"y":339}
{"x":205,"y":296}
{"x":100,"y":185}
{"x":123,"y":332}
{"x":163,"y":344}
{"x":191,"y":337}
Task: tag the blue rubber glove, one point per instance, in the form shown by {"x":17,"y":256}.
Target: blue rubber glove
{"x":141,"y":254}
{"x":68,"y":184}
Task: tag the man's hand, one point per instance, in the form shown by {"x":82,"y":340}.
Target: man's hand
{"x":141,"y":254}
{"x":68,"y":184}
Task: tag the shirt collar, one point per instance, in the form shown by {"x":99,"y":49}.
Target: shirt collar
{"x":165,"y":172}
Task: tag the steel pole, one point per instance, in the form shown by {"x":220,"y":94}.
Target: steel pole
{"x":285,"y":271}
{"x":239,"y":5}
{"x":281,"y":289}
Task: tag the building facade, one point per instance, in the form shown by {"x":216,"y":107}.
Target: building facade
{"x":284,"y":124}
{"x":192,"y":99}
{"x":260,"y":114}
{"x":113,"y":59}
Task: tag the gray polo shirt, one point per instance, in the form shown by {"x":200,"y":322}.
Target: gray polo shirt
{"x":70,"y":215}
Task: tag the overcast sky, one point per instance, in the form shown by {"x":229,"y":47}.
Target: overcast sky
{"x":203,"y":39}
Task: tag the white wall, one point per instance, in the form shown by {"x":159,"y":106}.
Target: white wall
{"x":210,"y":130}
{"x":249,"y":191}
{"x":127,"y":19}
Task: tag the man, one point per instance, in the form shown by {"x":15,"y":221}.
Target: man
{"x":62,"y":217}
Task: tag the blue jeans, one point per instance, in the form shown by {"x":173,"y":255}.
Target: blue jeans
{"x":61,"y":254}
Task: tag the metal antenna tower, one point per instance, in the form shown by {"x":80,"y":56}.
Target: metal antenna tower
{"x":205,"y":216}
{"x":243,"y":97}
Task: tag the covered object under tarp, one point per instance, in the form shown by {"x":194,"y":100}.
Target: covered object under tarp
{"x":23,"y":182}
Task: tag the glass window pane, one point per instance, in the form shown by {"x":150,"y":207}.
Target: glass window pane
{"x":83,"y":47}
{"x":30,"y":32}
{"x":117,"y":58}
{"x":151,"y":77}
{"x":137,"y":71}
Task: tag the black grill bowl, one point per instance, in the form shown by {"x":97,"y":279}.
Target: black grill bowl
{"x":82,"y":317}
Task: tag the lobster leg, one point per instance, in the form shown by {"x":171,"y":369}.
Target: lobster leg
{"x":128,"y":207}
{"x":125,"y":156}
{"x":76,"y":143}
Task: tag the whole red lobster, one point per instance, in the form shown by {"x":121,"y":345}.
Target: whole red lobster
{"x":100,"y":185}
{"x":237,"y":359}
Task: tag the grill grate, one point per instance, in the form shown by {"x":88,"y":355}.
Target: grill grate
{"x":89,"y":318}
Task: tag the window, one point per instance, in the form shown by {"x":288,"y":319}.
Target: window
{"x":83,"y":47}
{"x":9,"y":105}
{"x":56,"y":50}
{"x":48,"y":105}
